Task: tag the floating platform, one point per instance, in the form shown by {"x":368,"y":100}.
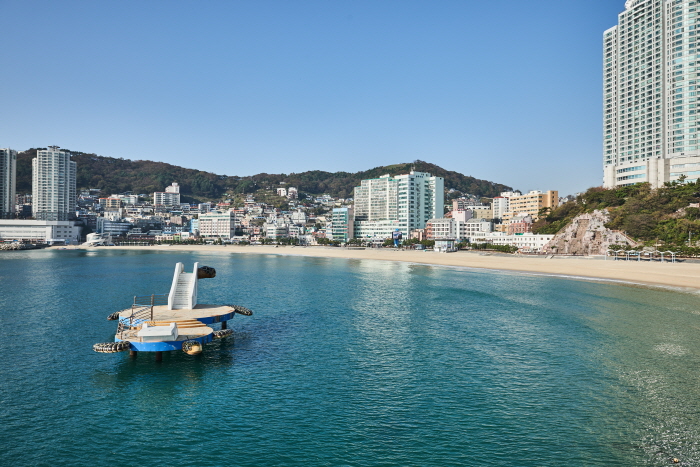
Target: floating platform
{"x":175,"y":321}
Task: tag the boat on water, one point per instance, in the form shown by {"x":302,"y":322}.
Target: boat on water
{"x":174,"y":321}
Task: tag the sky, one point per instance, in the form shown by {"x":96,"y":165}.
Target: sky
{"x":503,"y":90}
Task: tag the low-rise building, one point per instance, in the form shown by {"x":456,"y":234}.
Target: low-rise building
{"x":527,"y":242}
{"x":39,"y":231}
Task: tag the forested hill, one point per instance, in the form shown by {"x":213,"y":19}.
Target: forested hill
{"x":112,"y":175}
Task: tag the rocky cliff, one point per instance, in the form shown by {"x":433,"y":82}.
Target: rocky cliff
{"x":587,"y":235}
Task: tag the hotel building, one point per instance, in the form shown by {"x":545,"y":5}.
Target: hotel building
{"x":8,"y":176}
{"x":53,"y":185}
{"x":650,"y":79}
{"x":405,"y":202}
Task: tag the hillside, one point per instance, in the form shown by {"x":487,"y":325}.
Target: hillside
{"x":663,"y":215}
{"x":112,"y":175}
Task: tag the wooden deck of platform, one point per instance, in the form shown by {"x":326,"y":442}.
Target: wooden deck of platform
{"x":204,"y":313}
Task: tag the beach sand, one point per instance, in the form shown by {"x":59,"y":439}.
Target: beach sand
{"x":682,"y":275}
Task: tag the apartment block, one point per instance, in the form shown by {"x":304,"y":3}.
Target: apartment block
{"x":218,"y":224}
{"x":650,"y":79}
{"x":53,"y":185}
{"x":8,"y":182}
{"x":343,"y":224}
{"x":170,"y":197}
{"x":531,"y":203}
{"x":405,"y":202}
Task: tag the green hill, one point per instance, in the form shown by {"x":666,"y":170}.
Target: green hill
{"x":112,"y":175}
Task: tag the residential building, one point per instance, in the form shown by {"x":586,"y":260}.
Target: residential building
{"x":110,"y":204}
{"x":405,"y":202}
{"x":650,"y":126}
{"x":481,"y":212}
{"x":218,"y":224}
{"x":170,"y":197}
{"x":460,"y":204}
{"x":474,"y":229}
{"x":521,"y":223}
{"x":441,"y":228}
{"x":8,"y":182}
{"x":531,"y":203}
{"x":275,"y":230}
{"x":501,"y":204}
{"x":343,"y":224}
{"x":282,"y":192}
{"x":53,"y":185}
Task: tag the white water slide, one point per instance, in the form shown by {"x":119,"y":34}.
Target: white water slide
{"x":183,"y":292}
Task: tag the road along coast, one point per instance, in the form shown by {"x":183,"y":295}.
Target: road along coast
{"x":682,"y":275}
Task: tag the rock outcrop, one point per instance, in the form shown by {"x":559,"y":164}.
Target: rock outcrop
{"x":13,"y":246}
{"x":587,"y":235}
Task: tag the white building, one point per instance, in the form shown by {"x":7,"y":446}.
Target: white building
{"x":53,"y":185}
{"x":298,"y":217}
{"x":650,"y":126}
{"x":275,"y":230}
{"x":39,"y":231}
{"x":441,"y":228}
{"x":501,"y":204}
{"x":170,"y":197}
{"x":8,"y":182}
{"x":474,"y":229}
{"x":459,"y":228}
{"x":282,"y":192}
{"x":218,"y":224}
{"x":405,"y":202}
{"x":528,"y":242}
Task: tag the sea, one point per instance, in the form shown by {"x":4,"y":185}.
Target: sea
{"x":347,"y":363}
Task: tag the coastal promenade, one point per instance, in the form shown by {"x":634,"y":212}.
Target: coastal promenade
{"x":683,"y":275}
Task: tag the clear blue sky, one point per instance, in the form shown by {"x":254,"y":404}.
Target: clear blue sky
{"x":507,"y":91}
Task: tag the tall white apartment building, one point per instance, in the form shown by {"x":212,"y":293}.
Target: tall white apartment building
{"x":8,"y":180}
{"x":53,"y":185}
{"x":170,"y":197}
{"x":650,"y":79}
{"x":405,"y":202}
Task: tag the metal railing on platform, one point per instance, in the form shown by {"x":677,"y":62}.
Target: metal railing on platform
{"x":141,"y":311}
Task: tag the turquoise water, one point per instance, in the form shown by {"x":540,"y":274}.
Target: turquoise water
{"x":347,"y":363}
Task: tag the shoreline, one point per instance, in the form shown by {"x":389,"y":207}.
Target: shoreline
{"x":681,"y":276}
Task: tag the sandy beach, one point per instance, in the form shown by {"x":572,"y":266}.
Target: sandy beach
{"x":683,"y":275}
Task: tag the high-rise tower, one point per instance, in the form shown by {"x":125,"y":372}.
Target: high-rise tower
{"x":8,"y":174}
{"x":650,"y":65}
{"x":53,"y":185}
{"x":405,"y":202}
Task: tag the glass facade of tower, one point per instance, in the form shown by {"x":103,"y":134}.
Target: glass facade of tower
{"x":650,"y":66}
